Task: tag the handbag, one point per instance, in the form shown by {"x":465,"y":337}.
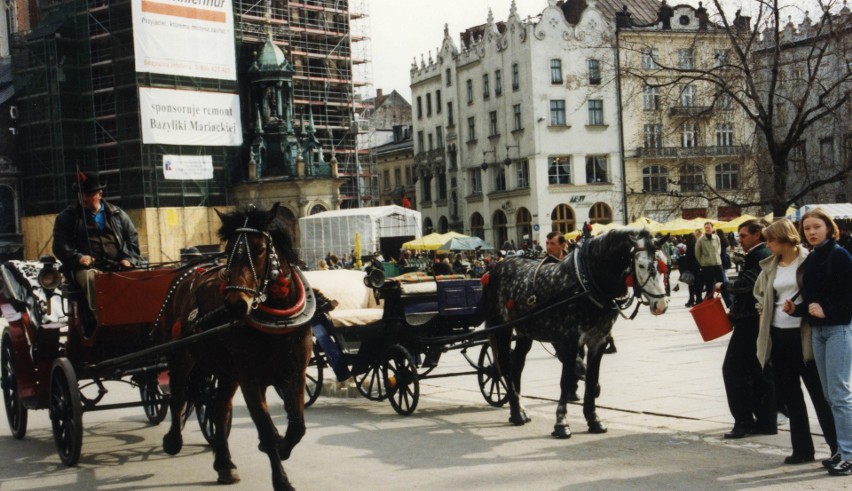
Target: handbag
{"x":687,"y":277}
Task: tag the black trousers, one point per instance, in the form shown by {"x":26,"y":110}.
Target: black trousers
{"x":710,"y":275}
{"x":789,"y":369}
{"x":750,"y":390}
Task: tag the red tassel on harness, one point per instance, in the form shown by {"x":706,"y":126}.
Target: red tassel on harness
{"x":661,"y":266}
{"x":222,"y":289}
{"x":485,"y":279}
{"x":510,"y":304}
{"x":81,"y":177}
{"x":629,"y":281}
{"x":176,"y":330}
{"x":281,"y":288}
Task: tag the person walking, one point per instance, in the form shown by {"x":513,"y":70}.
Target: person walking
{"x":750,"y":390}
{"x":688,"y":263}
{"x":827,"y":306}
{"x":708,"y":253}
{"x":786,"y":341}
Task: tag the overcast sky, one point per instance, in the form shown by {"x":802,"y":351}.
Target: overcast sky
{"x":403,"y":29}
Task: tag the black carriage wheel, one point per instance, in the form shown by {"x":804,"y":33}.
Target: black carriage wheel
{"x":66,"y":412}
{"x":206,"y":395}
{"x":491,"y":384}
{"x":401,"y":381}
{"x":156,"y":404}
{"x":16,"y":413}
{"x":371,"y":384}
{"x":313,"y":378}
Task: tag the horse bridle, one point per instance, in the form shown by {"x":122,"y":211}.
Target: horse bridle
{"x":637,"y":288}
{"x":240,"y":248}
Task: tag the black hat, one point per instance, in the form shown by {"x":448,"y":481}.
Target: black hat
{"x":88,"y":182}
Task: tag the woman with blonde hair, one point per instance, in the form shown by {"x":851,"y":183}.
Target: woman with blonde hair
{"x":827,"y":306}
{"x":786,"y":341}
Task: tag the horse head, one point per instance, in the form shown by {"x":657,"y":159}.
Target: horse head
{"x":647,"y":271}
{"x":259,"y":251}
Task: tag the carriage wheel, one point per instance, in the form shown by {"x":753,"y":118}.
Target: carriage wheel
{"x":491,"y":384}
{"x":313,"y":379}
{"x":66,"y":412}
{"x":156,"y":404}
{"x":16,"y":413}
{"x":371,"y":384}
{"x":203,"y":405}
{"x":401,"y":380}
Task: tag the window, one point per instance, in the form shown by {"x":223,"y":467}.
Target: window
{"x":653,"y":135}
{"x":428,"y":104}
{"x":559,"y":170}
{"x":386,"y":182}
{"x":797,"y":156}
{"x":471,"y":129}
{"x":720,"y":57}
{"x":727,"y":177}
{"x":408,"y":176}
{"x":426,"y":188}
{"x":555,"y":71}
{"x":449,"y":76}
{"x":431,"y":142}
{"x":477,"y":226}
{"x":557,"y":113}
{"x":486,"y":88}
{"x":442,"y":186}
{"x":439,"y":136}
{"x":500,"y":179}
{"x":689,"y":135}
{"x":600,"y":213}
{"x":397,"y":177}
{"x":724,"y":101}
{"x":523,"y":173}
{"x":596,"y":168}
{"x":469,"y":91}
{"x":419,"y":107}
{"x":691,"y":178}
{"x":420,"y":141}
{"x":688,"y":96}
{"x":438,"y":101}
{"x":492,"y":124}
{"x":649,"y":58}
{"x":594,"y":72}
{"x":826,"y":152}
{"x":523,"y":225}
{"x":724,"y":134}
{"x":686,"y":59}
{"x":450,"y":121}
{"x":516,"y":77}
{"x":498,"y":83}
{"x":596,"y":112}
{"x":516,"y":117}
{"x":655,"y":179}
{"x":650,"y":98}
{"x":476,"y":181}
{"x":562,"y":218}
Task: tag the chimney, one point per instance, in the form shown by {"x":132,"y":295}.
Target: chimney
{"x":379,"y":98}
{"x":742,"y":23}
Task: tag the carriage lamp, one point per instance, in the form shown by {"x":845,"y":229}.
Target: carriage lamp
{"x":49,"y":277}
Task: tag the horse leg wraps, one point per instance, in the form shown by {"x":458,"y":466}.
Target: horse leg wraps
{"x":561,"y":429}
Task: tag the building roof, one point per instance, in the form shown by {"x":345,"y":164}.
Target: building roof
{"x":642,"y":11}
{"x":407,"y":144}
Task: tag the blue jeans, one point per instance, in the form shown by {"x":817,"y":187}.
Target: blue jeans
{"x":833,"y":356}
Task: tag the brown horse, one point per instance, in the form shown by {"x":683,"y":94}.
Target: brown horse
{"x":267,"y":296}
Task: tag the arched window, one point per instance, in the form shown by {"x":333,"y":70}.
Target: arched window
{"x":427,"y":225}
{"x":655,"y":179}
{"x":443,"y":225}
{"x":477,"y":226}
{"x":317,"y":209}
{"x":563,"y":219}
{"x":727,"y":176}
{"x":523,"y":225}
{"x":499,"y":222}
{"x":600,"y":213}
{"x":691,"y":178}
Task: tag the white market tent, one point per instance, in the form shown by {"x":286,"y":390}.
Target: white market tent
{"x":838,"y":211}
{"x":334,"y":231}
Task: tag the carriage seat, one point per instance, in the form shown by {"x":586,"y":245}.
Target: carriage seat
{"x":356,"y":304}
{"x":420,"y":283}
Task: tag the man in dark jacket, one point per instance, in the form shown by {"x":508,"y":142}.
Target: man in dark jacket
{"x":750,"y":390}
{"x":92,"y":235}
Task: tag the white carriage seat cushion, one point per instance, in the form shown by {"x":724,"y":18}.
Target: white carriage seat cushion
{"x":356,"y":305}
{"x":423,"y":288}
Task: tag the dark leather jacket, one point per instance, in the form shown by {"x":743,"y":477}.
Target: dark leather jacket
{"x":70,"y":241}
{"x":745,"y":305}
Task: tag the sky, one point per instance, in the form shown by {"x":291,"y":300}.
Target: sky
{"x":403,"y":29}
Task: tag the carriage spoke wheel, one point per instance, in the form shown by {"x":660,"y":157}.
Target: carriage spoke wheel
{"x":156,"y":404}
{"x":313,"y":378}
{"x":491,"y":384}
{"x":207,"y":389}
{"x":66,"y":412}
{"x":371,"y":384}
{"x":16,"y":413}
{"x":401,"y":381}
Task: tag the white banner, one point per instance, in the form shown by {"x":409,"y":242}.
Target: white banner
{"x":185,"y":117}
{"x":188,"y":167}
{"x":193,"y":38}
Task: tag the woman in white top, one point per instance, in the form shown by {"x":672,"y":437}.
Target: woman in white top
{"x":786,"y":342}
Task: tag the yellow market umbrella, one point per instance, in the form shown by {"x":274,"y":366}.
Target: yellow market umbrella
{"x":431,"y":242}
{"x":597,"y":229}
{"x":678,"y":226}
{"x":734,"y":225}
{"x":645,"y":222}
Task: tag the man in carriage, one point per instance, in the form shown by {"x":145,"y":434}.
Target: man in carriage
{"x":92,"y":235}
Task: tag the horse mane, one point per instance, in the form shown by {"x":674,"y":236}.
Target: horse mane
{"x":610,"y":254}
{"x":260,"y":220}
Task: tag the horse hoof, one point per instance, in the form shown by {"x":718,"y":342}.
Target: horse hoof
{"x":228,"y":476}
{"x":172,"y":445}
{"x":519,"y":421}
{"x":597,"y":427}
{"x":561,"y":432}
